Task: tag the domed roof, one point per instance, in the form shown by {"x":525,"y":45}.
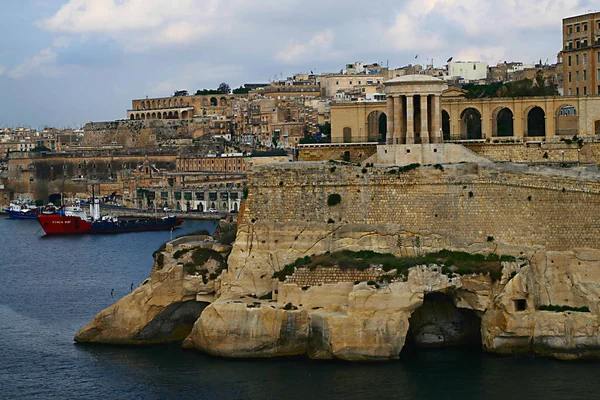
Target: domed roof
{"x":413,"y":78}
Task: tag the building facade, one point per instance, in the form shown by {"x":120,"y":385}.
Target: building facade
{"x":581,"y":55}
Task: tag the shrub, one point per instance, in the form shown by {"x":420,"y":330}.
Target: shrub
{"x":201,"y":256}
{"x":373,"y":283}
{"x":490,"y":239}
{"x":160,"y":261}
{"x":289,"y":306}
{"x":190,"y":268}
{"x":470,"y":194}
{"x":346,"y":156}
{"x":439,"y":166}
{"x":364,"y":170}
{"x":334,"y":199}
{"x":268,"y":296}
{"x":330,"y":221}
{"x":332,"y":169}
{"x":529,"y":198}
{"x":409,"y":167}
{"x":546,"y":155}
{"x":180,"y":253}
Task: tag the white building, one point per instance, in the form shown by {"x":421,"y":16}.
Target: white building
{"x":467,"y":70}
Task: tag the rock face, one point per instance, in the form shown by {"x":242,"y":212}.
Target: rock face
{"x":162,"y":309}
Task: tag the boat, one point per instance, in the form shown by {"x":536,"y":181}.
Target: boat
{"x":74,"y":220}
{"x":22,"y":210}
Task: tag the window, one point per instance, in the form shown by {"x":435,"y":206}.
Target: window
{"x":598,"y":74}
{"x":584,"y":59}
{"x":584,"y":75}
{"x":520,"y":304}
{"x":577,"y":28}
{"x":577,"y":59}
{"x":577,"y":91}
{"x":599,"y":56}
{"x":585,"y":27}
{"x":570,"y":30}
{"x":584,"y":90}
{"x":569,"y":61}
{"x":570,"y":77}
{"x":576,"y":76}
{"x":570,"y":92}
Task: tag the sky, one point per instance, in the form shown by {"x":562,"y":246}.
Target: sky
{"x":64,"y":63}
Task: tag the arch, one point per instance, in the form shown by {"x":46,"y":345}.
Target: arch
{"x":235,"y":207}
{"x":178,"y":206}
{"x":148,"y":115}
{"x":347,"y":135}
{"x":446,"y":125}
{"x":152,"y":104}
{"x":170,"y":103}
{"x":597,"y":127}
{"x":131,"y":116}
{"x":225,"y":206}
{"x":503,"y":122}
{"x":223,"y":102}
{"x":184,"y":114}
{"x":470,"y":124}
{"x":164,"y":103}
{"x":536,"y":122}
{"x":213,"y":101}
{"x":212,"y":205}
{"x":376,"y":127}
{"x":170,"y":115}
{"x":165,"y":116}
{"x":159,"y":115}
{"x":137,"y":107}
{"x":153,"y":115}
{"x":143,"y":116}
{"x":176,"y":115}
{"x":566,"y":120}
{"x":137,"y":116}
{"x":200,"y":207}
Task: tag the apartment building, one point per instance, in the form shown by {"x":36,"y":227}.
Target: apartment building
{"x":581,"y":54}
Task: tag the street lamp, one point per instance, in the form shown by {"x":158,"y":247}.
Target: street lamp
{"x":563,"y":157}
{"x":578,"y":154}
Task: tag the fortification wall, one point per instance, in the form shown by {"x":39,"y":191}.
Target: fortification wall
{"x":454,"y":208}
{"x":538,"y":152}
{"x":138,"y":133}
{"x":324,"y":152}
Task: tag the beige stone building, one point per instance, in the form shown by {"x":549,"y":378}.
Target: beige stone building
{"x":581,"y":58}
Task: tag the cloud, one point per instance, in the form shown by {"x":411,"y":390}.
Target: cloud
{"x":2,"y":69}
{"x":194,"y":75}
{"x":317,"y":47}
{"x":43,"y":63}
{"x":491,"y":55}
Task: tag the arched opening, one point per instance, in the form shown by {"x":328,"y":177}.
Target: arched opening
{"x":213,"y":205}
{"x":597,"y":127}
{"x":200,"y":207}
{"x":213,"y":101}
{"x":376,"y":127}
{"x":153,"y":115}
{"x":446,"y":125}
{"x":170,"y":115}
{"x":503,"y":122}
{"x":147,"y":115}
{"x":152,"y":104}
{"x":131,"y":116}
{"x":223,"y":102}
{"x":176,"y":115}
{"x":137,"y":116}
{"x":165,"y":116}
{"x":347,"y":135}
{"x":439,"y":323}
{"x":470,"y":124}
{"x":159,"y":115}
{"x":235,"y":207}
{"x":184,"y":114}
{"x":224,"y":206}
{"x":144,"y":116}
{"x":170,"y":103}
{"x":178,"y":206}
{"x":536,"y":122}
{"x":566,"y":120}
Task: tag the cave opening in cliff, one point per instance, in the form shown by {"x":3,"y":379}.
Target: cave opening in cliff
{"x":438,"y":323}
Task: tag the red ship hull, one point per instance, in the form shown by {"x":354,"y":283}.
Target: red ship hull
{"x":54,"y":224}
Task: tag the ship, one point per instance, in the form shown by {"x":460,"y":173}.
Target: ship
{"x":74,"y":220}
{"x":22,"y":210}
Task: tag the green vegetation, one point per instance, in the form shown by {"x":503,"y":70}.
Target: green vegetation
{"x":439,"y":166}
{"x":332,"y":169}
{"x":290,"y":306}
{"x":364,"y":170}
{"x":490,"y":239}
{"x":268,"y":296}
{"x":245,"y":193}
{"x":180,"y":253}
{"x":409,"y":167}
{"x":346,"y":156}
{"x":539,"y":86}
{"x":226,"y":234}
{"x":201,"y":256}
{"x":334,"y":199}
{"x":463,"y":263}
{"x":241,"y":90}
{"x":564,"y":308}
{"x":160,"y":260}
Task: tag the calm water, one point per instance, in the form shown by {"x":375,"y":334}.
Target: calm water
{"x":50,"y":287}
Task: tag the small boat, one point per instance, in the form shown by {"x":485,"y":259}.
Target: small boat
{"x":74,"y":220}
{"x":22,"y":210}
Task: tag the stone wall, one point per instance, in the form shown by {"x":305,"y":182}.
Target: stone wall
{"x":462,"y":205}
{"x":138,"y":133}
{"x":324,"y":152}
{"x":323,"y":276}
{"x":538,"y":152}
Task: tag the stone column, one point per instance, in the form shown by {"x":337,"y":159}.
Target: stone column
{"x":437,"y":135}
{"x":424,"y":120}
{"x":390,"y":119}
{"x":410,"y":116}
{"x":399,"y":123}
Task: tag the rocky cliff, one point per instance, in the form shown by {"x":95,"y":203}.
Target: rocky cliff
{"x":541,"y":300}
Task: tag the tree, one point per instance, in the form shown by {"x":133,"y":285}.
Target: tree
{"x":224,"y":88}
{"x":241,"y":90}
{"x":326,"y":128}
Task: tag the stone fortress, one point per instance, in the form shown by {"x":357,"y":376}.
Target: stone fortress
{"x":412,"y":196}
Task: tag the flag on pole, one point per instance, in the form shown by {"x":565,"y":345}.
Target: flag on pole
{"x":417,"y":56}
